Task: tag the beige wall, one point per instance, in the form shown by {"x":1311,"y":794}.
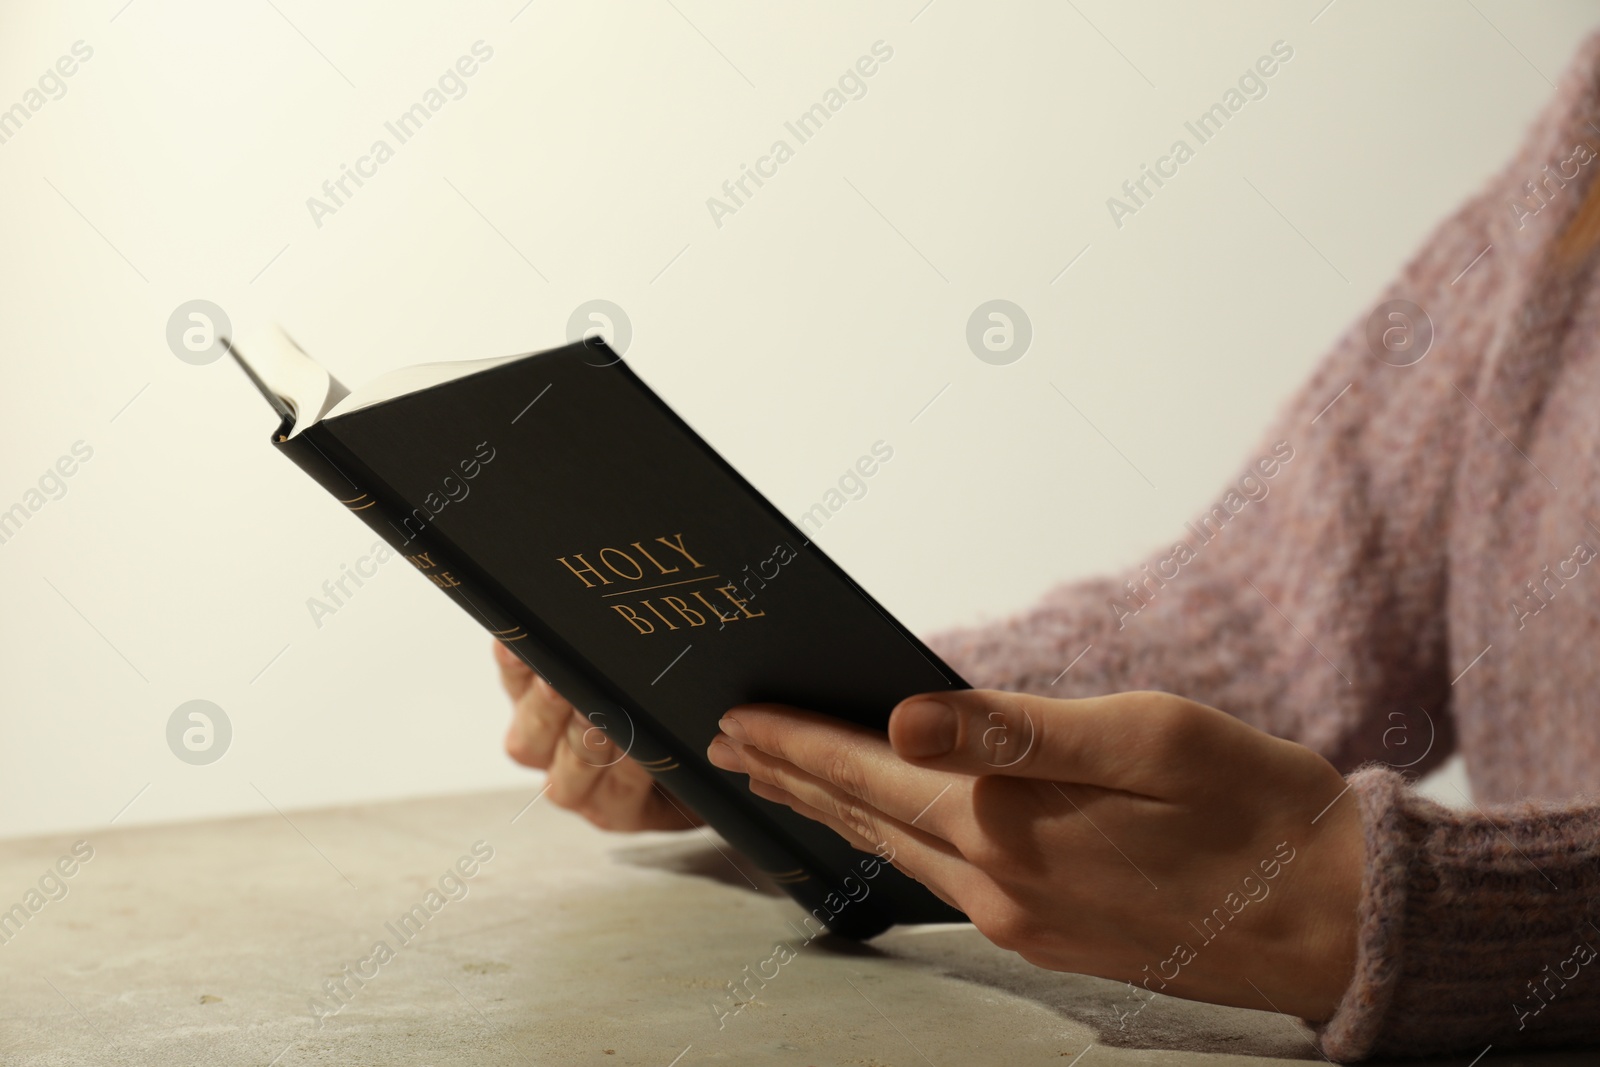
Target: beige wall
{"x":818,"y":318}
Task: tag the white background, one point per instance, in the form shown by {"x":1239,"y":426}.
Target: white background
{"x":820,"y":318}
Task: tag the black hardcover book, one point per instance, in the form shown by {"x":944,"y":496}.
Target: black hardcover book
{"x":560,"y":502}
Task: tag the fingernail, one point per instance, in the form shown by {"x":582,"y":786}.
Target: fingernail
{"x":724,"y":754}
{"x":927,"y":728}
{"x":734,"y":729}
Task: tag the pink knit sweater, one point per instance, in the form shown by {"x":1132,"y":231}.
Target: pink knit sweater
{"x":1422,"y":568}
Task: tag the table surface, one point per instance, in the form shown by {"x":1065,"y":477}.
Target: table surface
{"x":209,"y":943}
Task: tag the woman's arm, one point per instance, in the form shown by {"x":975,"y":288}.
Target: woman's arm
{"x":1319,"y":614}
{"x":1310,"y":600}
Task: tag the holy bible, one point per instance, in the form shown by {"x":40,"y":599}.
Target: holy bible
{"x":569,"y":510}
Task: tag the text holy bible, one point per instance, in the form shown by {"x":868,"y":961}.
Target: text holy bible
{"x":564,"y":506}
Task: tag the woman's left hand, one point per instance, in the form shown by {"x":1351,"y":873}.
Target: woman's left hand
{"x":1139,"y":836}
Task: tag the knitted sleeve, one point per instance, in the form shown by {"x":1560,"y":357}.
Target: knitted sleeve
{"x":1476,"y":928}
{"x":1309,"y":599}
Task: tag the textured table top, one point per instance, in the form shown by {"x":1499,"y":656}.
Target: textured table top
{"x":210,"y":943}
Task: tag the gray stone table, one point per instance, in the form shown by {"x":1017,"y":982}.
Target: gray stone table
{"x":209,"y":943}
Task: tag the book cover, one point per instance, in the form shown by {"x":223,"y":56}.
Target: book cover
{"x":561,"y":503}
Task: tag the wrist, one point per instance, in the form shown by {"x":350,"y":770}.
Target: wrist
{"x":1332,"y":921}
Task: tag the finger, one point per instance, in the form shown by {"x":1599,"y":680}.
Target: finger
{"x":856,"y":762}
{"x":538,"y":720}
{"x":515,"y":675}
{"x":932,"y":811}
{"x":1136,"y":742}
{"x":627,"y":798}
{"x":911,"y":855}
{"x":591,"y":742}
{"x":573,"y":777}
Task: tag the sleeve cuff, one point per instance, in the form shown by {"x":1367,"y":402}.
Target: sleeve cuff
{"x":1352,"y":1031}
{"x":1474,"y":928}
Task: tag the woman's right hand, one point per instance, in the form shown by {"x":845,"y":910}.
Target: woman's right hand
{"x":587,"y":774}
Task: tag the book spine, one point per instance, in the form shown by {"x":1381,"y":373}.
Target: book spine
{"x":317,"y":452}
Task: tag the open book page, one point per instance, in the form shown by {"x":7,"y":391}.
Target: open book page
{"x":282,"y":370}
{"x":411,"y":380}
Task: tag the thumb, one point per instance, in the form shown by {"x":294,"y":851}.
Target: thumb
{"x":986,"y":731}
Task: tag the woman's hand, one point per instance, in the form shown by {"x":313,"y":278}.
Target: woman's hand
{"x":588,"y":774}
{"x":1139,"y":836}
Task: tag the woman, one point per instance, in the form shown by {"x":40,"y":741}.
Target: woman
{"x":1414,"y":575}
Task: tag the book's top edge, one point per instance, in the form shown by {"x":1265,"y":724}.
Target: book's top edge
{"x":500,"y":364}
